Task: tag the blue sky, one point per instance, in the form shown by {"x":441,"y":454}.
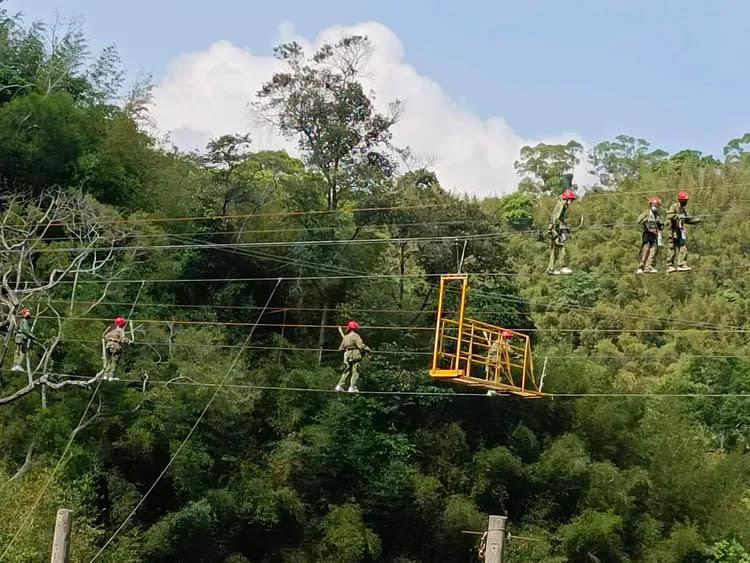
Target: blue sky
{"x":673,"y":72}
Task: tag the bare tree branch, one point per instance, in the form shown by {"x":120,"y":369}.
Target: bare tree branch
{"x":24,"y":469}
{"x":27,"y":228}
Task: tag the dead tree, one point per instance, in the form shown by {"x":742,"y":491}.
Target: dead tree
{"x":46,"y":241}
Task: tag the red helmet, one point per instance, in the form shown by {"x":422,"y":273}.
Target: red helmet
{"x":654,"y":201}
{"x":119,"y":321}
{"x":568,"y":195}
{"x":683,"y":196}
{"x":25,"y":312}
{"x":506,"y":333}
{"x":352,"y":325}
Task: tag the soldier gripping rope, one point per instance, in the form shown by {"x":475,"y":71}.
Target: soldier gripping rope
{"x":678,"y":221}
{"x":354,"y":349}
{"x":652,"y":224}
{"x":499,"y":353}
{"x":112,"y":340}
{"x":24,"y":336}
{"x":558,"y":231}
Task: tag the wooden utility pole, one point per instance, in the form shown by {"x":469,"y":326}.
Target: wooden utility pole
{"x":495,"y":546}
{"x":61,"y":543}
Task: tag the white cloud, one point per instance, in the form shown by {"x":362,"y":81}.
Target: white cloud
{"x":205,"y":94}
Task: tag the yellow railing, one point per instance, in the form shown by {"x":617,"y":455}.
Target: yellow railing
{"x":474,"y":353}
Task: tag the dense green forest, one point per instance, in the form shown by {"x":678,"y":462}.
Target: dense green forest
{"x":640,"y":456}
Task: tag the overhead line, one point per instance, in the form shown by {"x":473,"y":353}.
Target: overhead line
{"x":273,"y":214}
{"x":197,"y":422}
{"x":52,"y":475}
{"x":192,"y":383}
{"x":654,"y":353}
{"x":397,"y":327}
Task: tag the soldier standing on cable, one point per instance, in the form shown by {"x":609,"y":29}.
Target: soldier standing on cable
{"x":558,"y":231}
{"x":354,"y":348}
{"x":112,"y":340}
{"x":24,"y":336}
{"x":651,"y":222}
{"x":679,"y":219}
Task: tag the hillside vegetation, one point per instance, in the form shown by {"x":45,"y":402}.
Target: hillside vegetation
{"x":642,"y":456}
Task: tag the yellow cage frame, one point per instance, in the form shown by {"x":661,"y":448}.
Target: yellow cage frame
{"x":472,"y":353}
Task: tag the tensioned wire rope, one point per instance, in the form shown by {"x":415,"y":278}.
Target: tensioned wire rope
{"x":497,"y":297}
{"x":491,"y":296}
{"x":429,"y":328}
{"x":416,"y":312}
{"x":199,"y":244}
{"x":346,"y":277}
{"x":602,"y":193}
{"x":733,"y":330}
{"x":363,"y":226}
{"x":52,"y":475}
{"x":502,"y":297}
{"x":424,"y":352}
{"x":447,"y":394}
{"x":197,"y":422}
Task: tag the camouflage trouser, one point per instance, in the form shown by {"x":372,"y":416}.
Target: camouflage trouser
{"x":557,"y":254}
{"x":19,"y":357}
{"x":649,"y":250}
{"x":677,"y":255}
{"x":351,"y":368}
{"x":111,"y":355}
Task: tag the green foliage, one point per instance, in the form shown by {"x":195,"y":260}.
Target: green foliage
{"x":346,"y":539}
{"x":593,"y":536}
{"x":614,"y":162}
{"x":291,"y":472}
{"x":729,"y":551}
{"x":320,"y":102}
{"x":545,"y":167}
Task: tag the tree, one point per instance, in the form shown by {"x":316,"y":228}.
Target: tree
{"x":320,"y":102}
{"x":734,"y":150}
{"x":544,"y":166}
{"x":47,"y":241}
{"x":619,"y":160}
{"x":729,"y":551}
{"x":593,"y":536}
{"x":222,"y":157}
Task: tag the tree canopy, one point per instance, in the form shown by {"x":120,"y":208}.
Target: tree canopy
{"x":642,"y":455}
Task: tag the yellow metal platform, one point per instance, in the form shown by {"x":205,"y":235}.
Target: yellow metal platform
{"x":473,"y":353}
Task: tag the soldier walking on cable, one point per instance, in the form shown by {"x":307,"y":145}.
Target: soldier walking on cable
{"x":112,"y":340}
{"x":679,"y":219}
{"x":354,"y":348}
{"x":558,"y":232}
{"x":652,"y":224}
{"x":24,"y":336}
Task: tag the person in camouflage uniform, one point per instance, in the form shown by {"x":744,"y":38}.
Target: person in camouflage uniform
{"x":651,"y":222}
{"x":24,"y":336}
{"x":559,"y":231}
{"x":678,"y":221}
{"x":499,"y":353}
{"x":112,"y":340}
{"x":354,"y":348}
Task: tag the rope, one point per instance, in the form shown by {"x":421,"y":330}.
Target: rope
{"x":282,"y":388}
{"x":720,"y":330}
{"x":269,"y":214}
{"x":219,"y":386}
{"x":73,"y":434}
{"x":278,"y":243}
